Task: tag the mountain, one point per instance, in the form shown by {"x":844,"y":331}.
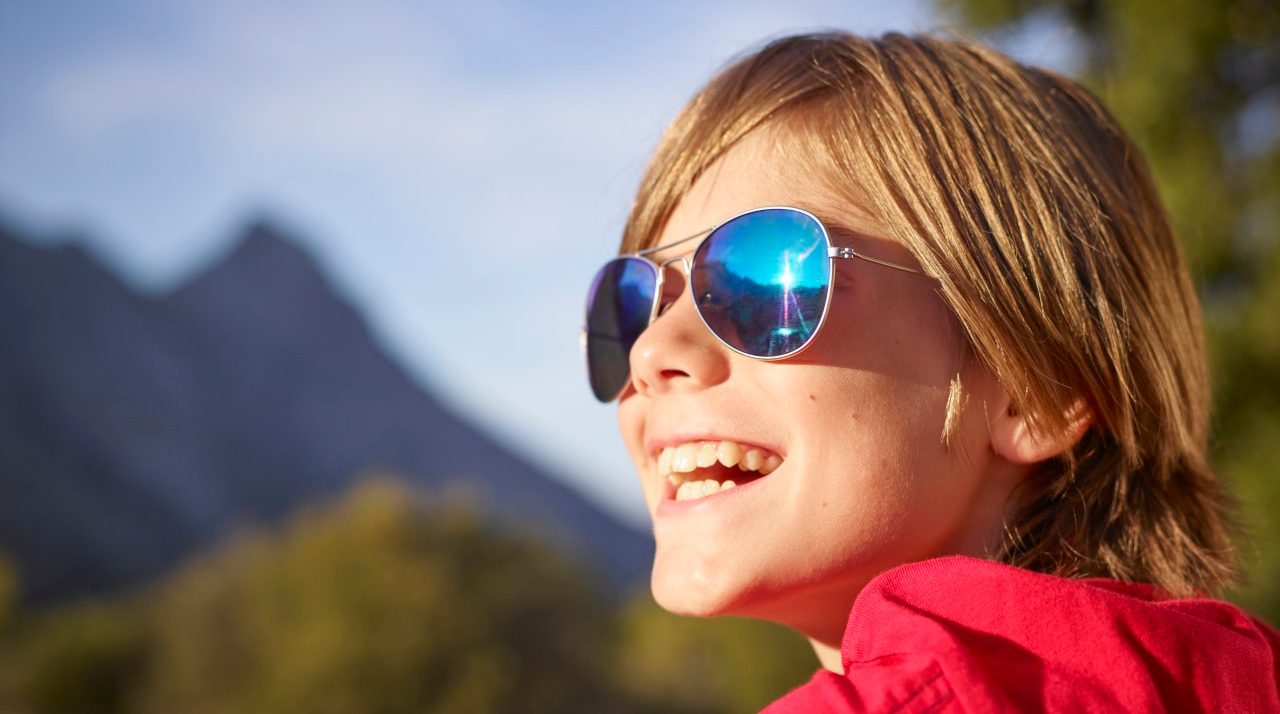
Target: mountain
{"x":135,"y":429}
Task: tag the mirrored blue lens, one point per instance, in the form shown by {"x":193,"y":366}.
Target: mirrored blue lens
{"x":618,"y":308}
{"x":761,"y":281}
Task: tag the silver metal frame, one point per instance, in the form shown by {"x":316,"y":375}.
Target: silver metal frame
{"x":833,"y":253}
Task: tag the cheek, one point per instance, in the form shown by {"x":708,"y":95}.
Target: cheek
{"x":877,"y":442}
{"x":872,"y":418}
{"x":877,"y":489}
{"x":903,"y":333}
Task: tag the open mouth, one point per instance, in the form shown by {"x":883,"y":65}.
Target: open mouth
{"x":698,"y":469}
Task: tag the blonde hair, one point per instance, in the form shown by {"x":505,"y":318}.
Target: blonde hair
{"x":1016,"y":189}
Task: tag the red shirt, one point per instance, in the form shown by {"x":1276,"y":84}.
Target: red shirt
{"x":959,"y":634}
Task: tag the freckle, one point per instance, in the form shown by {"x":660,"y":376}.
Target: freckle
{"x":824,"y":504}
{"x":813,"y":398}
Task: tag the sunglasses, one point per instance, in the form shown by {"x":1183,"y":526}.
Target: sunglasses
{"x":761,"y":283}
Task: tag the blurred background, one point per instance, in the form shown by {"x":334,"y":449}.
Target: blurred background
{"x":292,"y":416}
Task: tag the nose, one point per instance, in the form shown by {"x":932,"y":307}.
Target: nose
{"x":677,"y":352}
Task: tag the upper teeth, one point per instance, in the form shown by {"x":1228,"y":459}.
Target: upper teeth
{"x":674,"y":461}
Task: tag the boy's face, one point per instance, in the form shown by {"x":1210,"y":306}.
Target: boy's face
{"x":865,"y":482}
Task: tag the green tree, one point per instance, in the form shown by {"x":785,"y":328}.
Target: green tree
{"x":1197,"y":84}
{"x":8,"y":591}
{"x":85,"y":658}
{"x":385,"y":602}
{"x":380,"y":604}
{"x":707,"y":665}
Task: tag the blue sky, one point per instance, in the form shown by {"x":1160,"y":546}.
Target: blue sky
{"x":459,"y":169}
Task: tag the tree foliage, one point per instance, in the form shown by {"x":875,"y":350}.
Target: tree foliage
{"x":1197,"y":84}
{"x":8,"y":591}
{"x":708,"y":665}
{"x":379,"y":606}
{"x":385,"y":602}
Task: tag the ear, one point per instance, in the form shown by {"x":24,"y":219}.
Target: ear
{"x":1015,"y":437}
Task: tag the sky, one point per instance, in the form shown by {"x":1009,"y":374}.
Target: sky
{"x":460,"y":170}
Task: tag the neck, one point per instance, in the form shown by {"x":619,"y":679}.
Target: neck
{"x":828,"y":654}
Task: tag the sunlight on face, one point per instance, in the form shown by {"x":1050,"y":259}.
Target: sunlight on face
{"x":864,"y":482}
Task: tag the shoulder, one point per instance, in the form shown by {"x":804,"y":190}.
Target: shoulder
{"x":982,"y":636}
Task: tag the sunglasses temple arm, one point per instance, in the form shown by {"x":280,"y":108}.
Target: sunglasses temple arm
{"x":845,"y":252}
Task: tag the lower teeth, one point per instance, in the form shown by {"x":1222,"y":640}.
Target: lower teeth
{"x":690,"y":490}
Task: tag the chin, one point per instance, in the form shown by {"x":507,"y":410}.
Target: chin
{"x":687,"y":602}
{"x":684,"y":588}
{"x":814,"y":604}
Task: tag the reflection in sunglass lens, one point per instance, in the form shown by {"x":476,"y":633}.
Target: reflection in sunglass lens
{"x":761,"y":281}
{"x":618,"y":308}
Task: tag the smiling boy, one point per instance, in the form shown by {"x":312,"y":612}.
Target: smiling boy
{"x":919,"y":373}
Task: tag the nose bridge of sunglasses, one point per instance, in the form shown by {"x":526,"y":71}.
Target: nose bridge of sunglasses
{"x":674,"y":276}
